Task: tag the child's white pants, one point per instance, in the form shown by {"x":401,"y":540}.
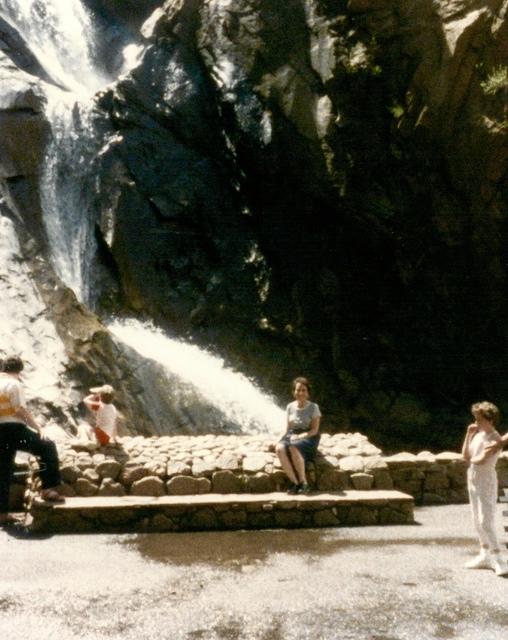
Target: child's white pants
{"x":482,"y":487}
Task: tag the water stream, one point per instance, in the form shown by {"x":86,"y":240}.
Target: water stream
{"x":67,"y":191}
{"x":236,"y":397}
{"x":60,"y":35}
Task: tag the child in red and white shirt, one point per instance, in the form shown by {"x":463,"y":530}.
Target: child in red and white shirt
{"x":100,"y":403}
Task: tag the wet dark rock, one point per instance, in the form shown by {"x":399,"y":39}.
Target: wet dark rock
{"x":131,"y":12}
{"x":24,"y":126}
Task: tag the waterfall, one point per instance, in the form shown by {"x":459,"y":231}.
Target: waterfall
{"x":57,"y":32}
{"x":241,"y":402}
{"x":67,"y":188}
{"x":60,"y":33}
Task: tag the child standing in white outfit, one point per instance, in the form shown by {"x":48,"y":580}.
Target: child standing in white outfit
{"x":482,"y":485}
{"x":100,"y":403}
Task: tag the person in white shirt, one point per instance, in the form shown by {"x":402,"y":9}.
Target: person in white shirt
{"x":100,"y":403}
{"x":19,"y":431}
{"x":482,"y":485}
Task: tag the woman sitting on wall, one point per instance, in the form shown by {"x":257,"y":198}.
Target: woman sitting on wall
{"x":300,"y":442}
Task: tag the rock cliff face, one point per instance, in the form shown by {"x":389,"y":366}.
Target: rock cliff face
{"x":308,"y":186}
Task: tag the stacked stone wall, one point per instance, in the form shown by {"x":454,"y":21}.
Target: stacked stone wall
{"x":193,"y":465}
{"x":214,"y":512}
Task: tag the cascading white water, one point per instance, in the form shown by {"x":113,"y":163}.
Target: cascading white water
{"x":57,"y":32}
{"x":236,"y":397}
{"x":60,"y":34}
{"x":66,"y":191}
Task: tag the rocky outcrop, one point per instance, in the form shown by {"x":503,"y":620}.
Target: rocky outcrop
{"x":382,"y":157}
{"x":307,"y":186}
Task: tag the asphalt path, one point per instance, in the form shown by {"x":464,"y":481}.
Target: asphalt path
{"x":369,"y":583}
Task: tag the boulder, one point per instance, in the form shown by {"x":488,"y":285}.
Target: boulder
{"x":255,"y":462}
{"x":362,"y":481}
{"x":258,"y":483}
{"x":85,"y":488}
{"x":70,"y":473}
{"x":178,"y":469}
{"x":354,"y":464}
{"x":25,"y":129}
{"x":226,"y":482}
{"x":182,"y":485}
{"x":111,"y":488}
{"x":149,"y":486}
{"x":109,"y":469}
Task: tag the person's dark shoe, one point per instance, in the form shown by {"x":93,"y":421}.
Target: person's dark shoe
{"x":304,"y":488}
{"x":7,"y":520}
{"x":293,"y":489}
{"x":51,"y":495}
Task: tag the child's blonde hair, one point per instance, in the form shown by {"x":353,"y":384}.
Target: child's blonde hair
{"x":488,"y":410}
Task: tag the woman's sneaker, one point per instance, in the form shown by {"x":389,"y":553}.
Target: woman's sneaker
{"x":482,"y":561}
{"x":498,"y":563}
{"x":293,"y":489}
{"x":304,"y":488}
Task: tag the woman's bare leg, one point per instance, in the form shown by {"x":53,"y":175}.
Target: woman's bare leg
{"x":298,"y":463}
{"x":282,"y":454}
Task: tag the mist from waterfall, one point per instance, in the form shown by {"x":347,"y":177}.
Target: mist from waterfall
{"x":240,"y":401}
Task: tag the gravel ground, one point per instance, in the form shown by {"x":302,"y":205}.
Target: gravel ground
{"x":370,"y":583}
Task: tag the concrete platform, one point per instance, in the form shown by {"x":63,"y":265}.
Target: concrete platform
{"x":209,"y":512}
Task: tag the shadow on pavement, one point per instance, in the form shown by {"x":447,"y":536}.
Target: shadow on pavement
{"x":21,"y":531}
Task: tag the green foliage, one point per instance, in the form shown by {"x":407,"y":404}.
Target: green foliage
{"x":397,"y":110}
{"x":496,"y":81}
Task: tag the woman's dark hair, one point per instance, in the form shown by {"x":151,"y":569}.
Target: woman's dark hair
{"x":12,"y":364}
{"x":301,"y":380}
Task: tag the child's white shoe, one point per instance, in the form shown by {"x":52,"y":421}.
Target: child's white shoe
{"x":499,"y":564}
{"x":481,"y":561}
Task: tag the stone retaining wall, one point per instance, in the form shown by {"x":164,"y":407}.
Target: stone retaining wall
{"x":223,"y":512}
{"x":190,"y":465}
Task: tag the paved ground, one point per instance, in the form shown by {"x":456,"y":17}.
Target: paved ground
{"x":377,"y":583}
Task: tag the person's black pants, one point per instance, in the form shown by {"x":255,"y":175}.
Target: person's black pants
{"x":15,"y":436}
